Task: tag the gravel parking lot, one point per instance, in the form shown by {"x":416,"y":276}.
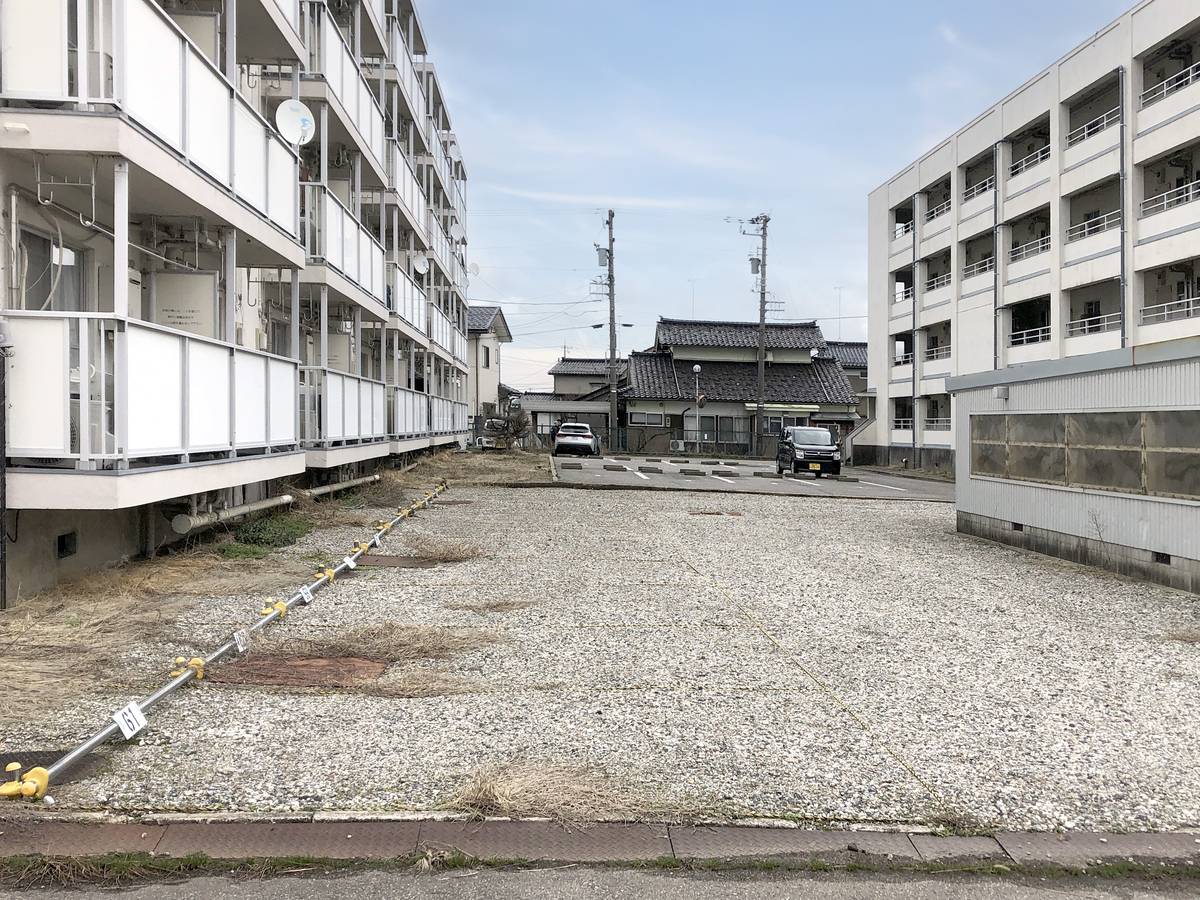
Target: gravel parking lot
{"x":827,"y":660}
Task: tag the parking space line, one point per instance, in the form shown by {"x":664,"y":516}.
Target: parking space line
{"x":641,"y":476}
{"x":888,"y":486}
{"x":719,"y":478}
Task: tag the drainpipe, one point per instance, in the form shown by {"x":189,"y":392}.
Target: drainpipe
{"x":996,"y":256}
{"x":182,"y":524}
{"x":1125,"y":212}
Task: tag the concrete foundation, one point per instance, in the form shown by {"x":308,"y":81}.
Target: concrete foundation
{"x":1179,"y":572}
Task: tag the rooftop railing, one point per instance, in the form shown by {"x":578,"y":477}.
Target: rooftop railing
{"x":1032,"y":248}
{"x":1095,"y":225}
{"x":979,"y":189}
{"x":1094,"y":127}
{"x":1188,"y":193}
{"x":1095,"y":324}
{"x":1029,"y":336}
{"x":1172,"y":85}
{"x":1183,"y":308}
{"x":1036,"y":158}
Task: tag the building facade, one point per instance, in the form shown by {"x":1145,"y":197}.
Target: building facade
{"x":194,"y":307}
{"x":487,"y":331}
{"x":1062,"y":222}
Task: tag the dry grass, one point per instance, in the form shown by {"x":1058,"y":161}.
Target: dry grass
{"x":492,"y":606}
{"x":1185,"y":636}
{"x":476,"y":469}
{"x":442,"y":550}
{"x":413,"y":684}
{"x":571,"y":794}
{"x":390,"y":642}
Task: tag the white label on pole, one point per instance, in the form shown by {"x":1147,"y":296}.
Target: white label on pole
{"x":241,"y":640}
{"x":350,"y":564}
{"x":305,"y":594}
{"x":130,"y":720}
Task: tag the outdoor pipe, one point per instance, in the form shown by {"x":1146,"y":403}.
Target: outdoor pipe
{"x":184,"y":523}
{"x":338,"y":486}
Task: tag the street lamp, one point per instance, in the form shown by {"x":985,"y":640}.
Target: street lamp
{"x":696,"y":373}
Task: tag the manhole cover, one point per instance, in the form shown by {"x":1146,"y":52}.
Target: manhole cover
{"x":29,"y":759}
{"x":299,"y":671}
{"x":397,"y":562}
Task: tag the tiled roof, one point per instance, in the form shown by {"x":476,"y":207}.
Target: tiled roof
{"x":780,"y":336}
{"x":851,"y":354}
{"x":657,"y":376}
{"x":480,"y":318}
{"x":583,"y":366}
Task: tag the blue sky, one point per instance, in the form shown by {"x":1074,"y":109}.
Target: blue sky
{"x":682,"y":113}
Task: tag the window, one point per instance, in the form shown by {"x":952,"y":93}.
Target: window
{"x":42,"y":262}
{"x":487,"y":357}
{"x":644,"y":418}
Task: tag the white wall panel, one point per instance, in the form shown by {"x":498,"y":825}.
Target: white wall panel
{"x":208,"y":395}
{"x":366,"y":427}
{"x":335,"y":407}
{"x":154,"y":376}
{"x":208,"y":119}
{"x":250,"y":399}
{"x":350,"y":398}
{"x":249,"y":158}
{"x":33,"y":47}
{"x":37,"y":386}
{"x":153,"y":72}
{"x":283,"y":386}
{"x":281,"y":198}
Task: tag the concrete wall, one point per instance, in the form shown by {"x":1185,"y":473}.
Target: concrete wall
{"x":103,"y":537}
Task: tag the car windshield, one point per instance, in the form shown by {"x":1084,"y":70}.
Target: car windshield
{"x":812,"y":437}
{"x":574,"y":429}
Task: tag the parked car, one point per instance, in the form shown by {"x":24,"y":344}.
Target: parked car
{"x":572,"y":437}
{"x":808,"y":449}
{"x":493,"y":435}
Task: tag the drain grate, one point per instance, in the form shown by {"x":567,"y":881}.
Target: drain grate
{"x":299,"y":671}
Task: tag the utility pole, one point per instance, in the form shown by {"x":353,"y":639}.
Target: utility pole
{"x":613,"y":424}
{"x":762,"y":222}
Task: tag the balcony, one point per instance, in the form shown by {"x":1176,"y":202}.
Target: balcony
{"x":1094,"y":226}
{"x":901,"y":244}
{"x":447,"y":416}
{"x":1094,"y":127}
{"x":977,"y":199}
{"x":403,"y":181}
{"x":151,"y":395}
{"x":1095,"y":325}
{"x":412,"y":85}
{"x":1029,"y":336}
{"x":938,"y":290}
{"x":938,"y":282}
{"x":1036,"y":158}
{"x":1087,"y":243}
{"x":1093,"y":334}
{"x":410,"y":413}
{"x":339,"y":408}
{"x":983,"y":267}
{"x":934,"y":353}
{"x":1184,"y":308}
{"x":1169,"y":213}
{"x":902,"y":359}
{"x":407,"y":300}
{"x":937,"y":424}
{"x":1171,"y":86}
{"x":445,"y":335}
{"x":938,"y":211}
{"x":269,"y":29}
{"x":333,"y":236}
{"x":171,"y":91}
{"x":904,"y":296}
{"x":978,"y":190}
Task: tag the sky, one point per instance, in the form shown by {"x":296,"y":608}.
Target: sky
{"x":686,"y":116}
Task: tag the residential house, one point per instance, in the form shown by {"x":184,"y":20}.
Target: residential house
{"x":487,"y":329}
{"x":803,"y":386}
{"x":581,"y":394}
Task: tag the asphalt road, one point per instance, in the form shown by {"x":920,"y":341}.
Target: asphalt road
{"x":740,"y":476}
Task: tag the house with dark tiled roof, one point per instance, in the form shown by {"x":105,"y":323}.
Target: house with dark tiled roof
{"x":715,"y":408}
{"x":580,"y":394}
{"x":487,"y":329}
{"x":853,"y":357}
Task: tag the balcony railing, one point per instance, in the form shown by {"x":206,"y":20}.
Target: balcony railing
{"x":939,"y":281}
{"x":980,"y":268}
{"x":902,"y":424}
{"x":1036,"y":158}
{"x":1188,"y":193}
{"x":1094,"y":127}
{"x":99,"y":390}
{"x":979,"y":189}
{"x":941,"y":352}
{"x":1184,"y":308}
{"x":411,"y":84}
{"x":938,"y":211}
{"x":904,"y":296}
{"x":162,"y":81}
{"x":903,"y":228}
{"x":410,"y":413}
{"x":333,"y":235}
{"x":1095,"y":324}
{"x":404,"y":182}
{"x":447,"y":416}
{"x":1097,"y":225}
{"x":937,"y":424}
{"x":1172,"y":85}
{"x":902,"y":359}
{"x":336,"y":407}
{"x":1029,"y":336}
{"x":1033,"y":248}
{"x":406,"y":299}
{"x":333,"y":60}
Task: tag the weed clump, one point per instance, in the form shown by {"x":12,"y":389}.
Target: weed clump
{"x":279,"y":530}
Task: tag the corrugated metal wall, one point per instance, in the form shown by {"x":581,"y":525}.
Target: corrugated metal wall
{"x":1149,"y":523}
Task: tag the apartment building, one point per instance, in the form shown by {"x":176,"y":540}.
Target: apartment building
{"x":195,"y":308}
{"x":1035,"y":303}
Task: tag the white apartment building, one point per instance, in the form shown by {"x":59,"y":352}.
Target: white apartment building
{"x":1062,"y":222}
{"x":194,"y":307}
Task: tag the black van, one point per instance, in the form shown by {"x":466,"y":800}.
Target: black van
{"x":808,"y":449}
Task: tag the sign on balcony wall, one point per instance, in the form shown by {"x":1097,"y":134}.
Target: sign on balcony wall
{"x":186,"y":301}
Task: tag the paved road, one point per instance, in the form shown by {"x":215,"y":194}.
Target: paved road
{"x":741,"y":477}
{"x":576,"y":883}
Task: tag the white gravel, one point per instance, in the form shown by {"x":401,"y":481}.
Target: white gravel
{"x":1026,"y":692}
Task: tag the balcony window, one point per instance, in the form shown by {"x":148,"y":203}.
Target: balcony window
{"x":937,"y":412}
{"x":902,"y":414}
{"x":902,"y":354}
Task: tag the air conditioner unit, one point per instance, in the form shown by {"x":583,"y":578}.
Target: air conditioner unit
{"x":677,"y":446}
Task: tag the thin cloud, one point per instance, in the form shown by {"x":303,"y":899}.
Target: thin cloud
{"x":602,"y":200}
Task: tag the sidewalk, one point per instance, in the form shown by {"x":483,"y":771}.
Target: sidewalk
{"x":542,"y":841}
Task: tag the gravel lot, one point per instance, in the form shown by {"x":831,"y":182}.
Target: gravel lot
{"x":927,"y":676}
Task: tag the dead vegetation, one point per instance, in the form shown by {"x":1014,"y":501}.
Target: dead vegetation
{"x":343,"y":674}
{"x":390,"y":642}
{"x":442,"y":550}
{"x":478,"y":469}
{"x":564,"y":793}
{"x":1185,"y":636}
{"x":491,"y":606}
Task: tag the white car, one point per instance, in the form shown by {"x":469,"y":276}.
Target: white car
{"x":575,"y":438}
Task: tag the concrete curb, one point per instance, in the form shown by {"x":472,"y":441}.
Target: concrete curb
{"x":901,"y":474}
{"x":391,"y":836}
{"x":588,"y":486}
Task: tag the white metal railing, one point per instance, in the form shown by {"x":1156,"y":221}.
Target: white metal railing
{"x":336,"y":406}
{"x":1032,"y":248}
{"x":439,"y":244}
{"x":291,"y":12}
{"x":1179,"y":196}
{"x":902,"y":359}
{"x":94,"y":387}
{"x":447,"y":416}
{"x":902,"y":424}
{"x":1094,"y":127}
{"x":332,"y":60}
{"x":905,"y":295}
{"x":938,"y":211}
{"x":412,"y":85}
{"x":1036,"y":158}
{"x":145,"y":66}
{"x":407,"y":299}
{"x":458,"y":344}
{"x":980,"y":268}
{"x":979,"y":189}
{"x":410,"y":413}
{"x":1029,"y":336}
{"x":1096,"y":225}
{"x":902,"y":229}
{"x":333,"y":235}
{"x":1095,"y":324}
{"x":404,"y":182}
{"x":1172,"y":85}
{"x":440,"y":161}
{"x":1184,"y":308}
{"x":939,"y":281}
{"x":440,"y":330}
{"x":938,"y":424}
{"x":941,"y":352}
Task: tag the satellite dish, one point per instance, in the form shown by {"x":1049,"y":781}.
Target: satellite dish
{"x":473,"y":268}
{"x":421,"y":264}
{"x":455,"y":153}
{"x":295,"y":122}
{"x":457,"y":231}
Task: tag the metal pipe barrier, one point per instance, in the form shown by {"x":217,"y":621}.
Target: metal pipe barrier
{"x":33,"y":783}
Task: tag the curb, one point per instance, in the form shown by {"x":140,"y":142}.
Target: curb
{"x":385,"y":836}
{"x":903,"y":474}
{"x":587,"y":486}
